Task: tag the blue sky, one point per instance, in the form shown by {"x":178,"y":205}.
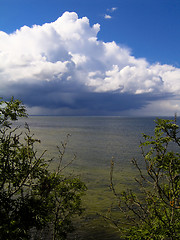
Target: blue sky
{"x":126,"y":61}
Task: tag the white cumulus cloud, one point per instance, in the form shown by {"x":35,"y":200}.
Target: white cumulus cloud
{"x":64,"y":59}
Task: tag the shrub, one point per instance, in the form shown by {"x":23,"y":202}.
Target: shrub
{"x":154,"y":213}
{"x":33,"y":199}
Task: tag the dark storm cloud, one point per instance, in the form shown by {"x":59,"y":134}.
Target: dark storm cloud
{"x":77,"y":99}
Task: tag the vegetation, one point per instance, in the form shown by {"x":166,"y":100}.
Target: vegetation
{"x":154,"y":212}
{"x":33,"y":200}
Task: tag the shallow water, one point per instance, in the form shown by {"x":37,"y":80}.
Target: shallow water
{"x":94,"y":140}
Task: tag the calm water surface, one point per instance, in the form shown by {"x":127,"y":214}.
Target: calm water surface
{"x":95,"y":140}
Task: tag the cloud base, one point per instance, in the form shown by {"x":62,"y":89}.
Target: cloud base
{"x":61,"y":68}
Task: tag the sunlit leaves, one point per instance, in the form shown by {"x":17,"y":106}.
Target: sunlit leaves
{"x":32,"y":198}
{"x":154,"y":213}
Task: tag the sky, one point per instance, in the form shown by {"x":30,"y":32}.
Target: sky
{"x":98,"y":57}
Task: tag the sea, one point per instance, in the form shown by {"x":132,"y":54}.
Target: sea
{"x":92,"y":142}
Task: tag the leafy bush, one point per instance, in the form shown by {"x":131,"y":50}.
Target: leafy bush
{"x":154,"y":213}
{"x":33,"y":199}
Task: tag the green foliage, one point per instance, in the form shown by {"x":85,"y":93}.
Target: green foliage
{"x":154,"y":213}
{"x":11,"y":111}
{"x":32,"y":198}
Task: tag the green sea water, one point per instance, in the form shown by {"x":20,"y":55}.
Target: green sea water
{"x":94,"y":140}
